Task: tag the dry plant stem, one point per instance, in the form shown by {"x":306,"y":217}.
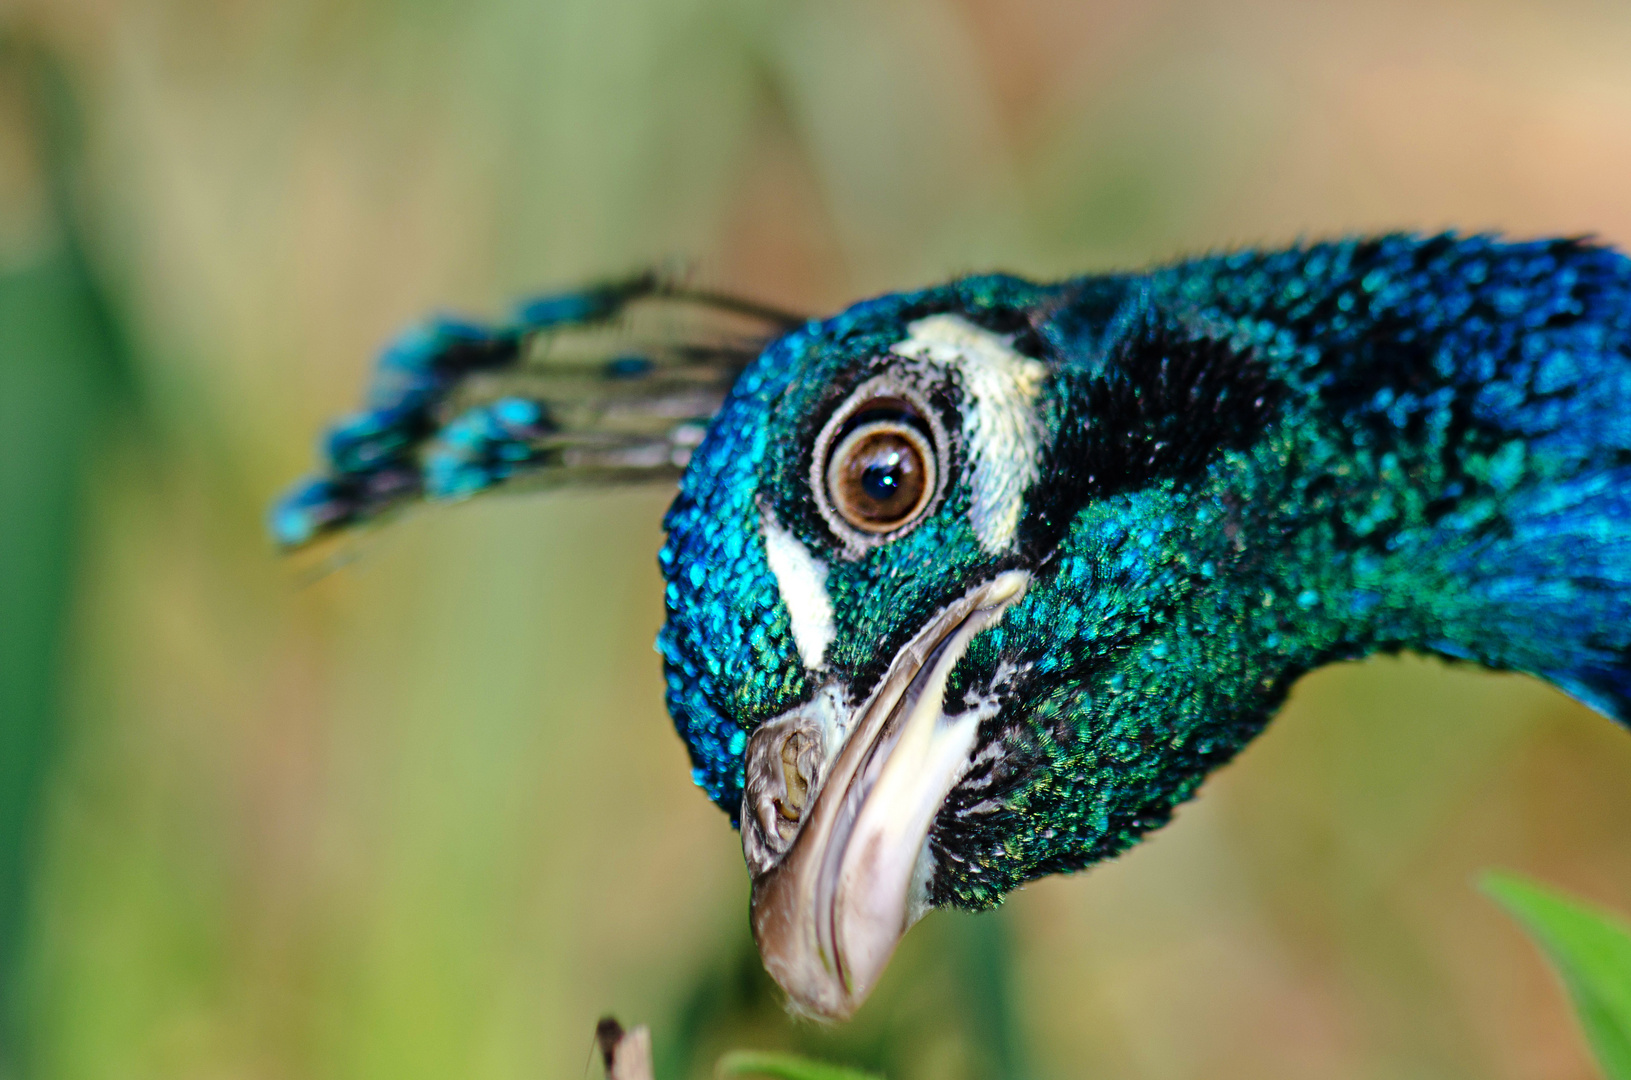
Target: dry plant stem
{"x":626,"y":1054}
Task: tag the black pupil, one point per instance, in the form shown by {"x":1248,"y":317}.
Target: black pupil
{"x":882,"y":479}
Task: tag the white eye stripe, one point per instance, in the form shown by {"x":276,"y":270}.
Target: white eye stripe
{"x":1000,"y":427}
{"x":801,"y":578}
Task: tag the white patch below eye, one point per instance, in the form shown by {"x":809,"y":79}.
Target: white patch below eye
{"x":999,"y":422}
{"x":801,"y":579}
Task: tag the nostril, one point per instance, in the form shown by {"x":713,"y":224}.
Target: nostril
{"x":795,"y":786}
{"x":782,"y":770}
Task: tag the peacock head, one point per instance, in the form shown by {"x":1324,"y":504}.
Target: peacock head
{"x":972,"y":585}
{"x":916,"y":605}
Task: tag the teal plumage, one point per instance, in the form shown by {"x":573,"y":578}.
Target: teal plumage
{"x":1239,"y":468}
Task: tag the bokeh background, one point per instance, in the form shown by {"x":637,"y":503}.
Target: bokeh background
{"x":425,"y":817}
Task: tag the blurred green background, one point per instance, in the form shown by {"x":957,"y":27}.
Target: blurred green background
{"x":426,"y":818}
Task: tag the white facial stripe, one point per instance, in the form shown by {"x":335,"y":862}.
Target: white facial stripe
{"x":1003,"y":434}
{"x":802,"y":580}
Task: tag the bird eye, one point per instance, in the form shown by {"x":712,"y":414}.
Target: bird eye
{"x":881,"y":474}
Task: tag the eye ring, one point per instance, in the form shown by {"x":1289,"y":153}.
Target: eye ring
{"x":881,"y":475}
{"x":883,"y":414}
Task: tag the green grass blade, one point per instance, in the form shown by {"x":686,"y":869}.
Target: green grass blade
{"x":62,"y":362}
{"x":783,"y":1067}
{"x":1591,"y":951}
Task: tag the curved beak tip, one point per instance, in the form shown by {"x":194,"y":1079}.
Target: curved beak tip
{"x":829,"y":964}
{"x":829,"y":913}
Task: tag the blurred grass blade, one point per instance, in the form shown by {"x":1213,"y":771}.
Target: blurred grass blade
{"x":987,"y":963}
{"x":61,"y":362}
{"x":48,"y":408}
{"x":1591,"y":951}
{"x":783,"y":1067}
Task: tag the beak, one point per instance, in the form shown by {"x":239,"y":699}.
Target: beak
{"x":838,"y":879}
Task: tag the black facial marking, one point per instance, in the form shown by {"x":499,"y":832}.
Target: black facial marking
{"x":1163,"y":406}
{"x":1167,"y":406}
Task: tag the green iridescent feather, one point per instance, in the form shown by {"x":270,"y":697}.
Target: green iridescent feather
{"x":1251,"y":465}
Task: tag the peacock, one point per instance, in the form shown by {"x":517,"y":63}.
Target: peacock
{"x":976,"y":583}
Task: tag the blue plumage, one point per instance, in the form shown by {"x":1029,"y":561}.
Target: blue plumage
{"x":977,"y":583}
{"x":1508,"y":364}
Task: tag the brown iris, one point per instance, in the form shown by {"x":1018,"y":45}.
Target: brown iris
{"x":881,"y":474}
